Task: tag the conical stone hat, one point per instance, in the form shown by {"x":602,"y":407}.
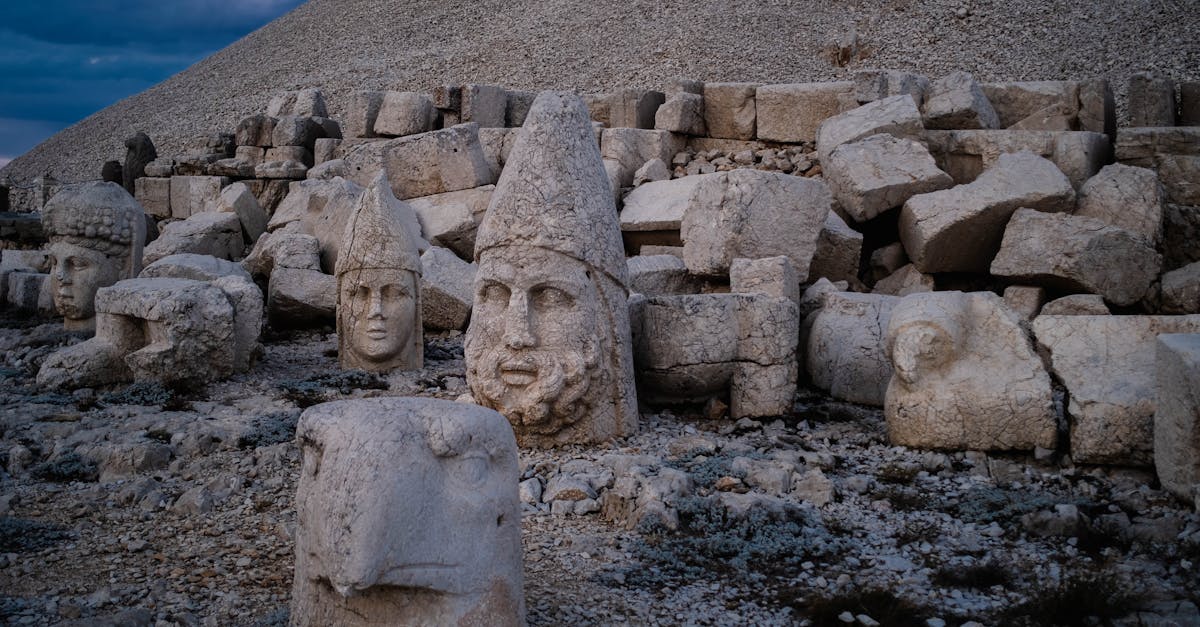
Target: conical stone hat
{"x":376,"y":234}
{"x":554,"y":193}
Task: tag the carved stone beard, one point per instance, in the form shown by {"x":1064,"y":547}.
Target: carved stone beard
{"x":558,"y":397}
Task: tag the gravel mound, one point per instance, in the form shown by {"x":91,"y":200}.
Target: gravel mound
{"x":345,"y":45}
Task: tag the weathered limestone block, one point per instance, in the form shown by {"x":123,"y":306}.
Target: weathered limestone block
{"x":753,"y":214}
{"x":1180,"y":176}
{"x":358,"y":120}
{"x":283,"y":250}
{"x":1016,"y":102}
{"x":960,"y":229}
{"x":251,"y":154}
{"x":660,"y":275}
{"x":964,"y":155}
{"x":1181,"y":290}
{"x":965,"y":376}
{"x":682,"y":113}
{"x":298,"y":154}
{"x":329,"y":170}
{"x":1151,"y":100}
{"x":1189,"y":103}
{"x":422,"y":165}
{"x":96,"y":231}
{"x":844,"y":349}
{"x":301,"y":298}
{"x":956,"y":101}
{"x":872,"y":175}
{"x":296,"y":131}
{"x":1107,"y":364}
{"x":653,"y":170}
{"x":839,"y":250}
{"x":549,"y":345}
{"x":497,"y":143}
{"x":1140,"y":146}
{"x":633,"y":147}
{"x":1124,"y":196}
{"x":29,"y":291}
{"x":447,"y":290}
{"x":653,"y":212}
{"x":634,"y":108}
{"x":1078,"y":254}
{"x":327,"y":149}
{"x":139,"y":151}
{"x":448,"y":98}
{"x":1076,"y":305}
{"x":904,"y":281}
{"x":517,"y":107}
{"x":111,"y":171}
{"x":689,"y":348}
{"x":256,"y":130}
{"x":451,"y":220}
{"x":379,"y":285}
{"x":283,"y":170}
{"x":235,"y":168}
{"x":215,"y":233}
{"x":887,"y":259}
{"x":192,"y":194}
{"x":153,"y":329}
{"x":872,"y":85}
{"x":896,"y":116}
{"x":407,"y":513}
{"x":729,"y":110}
{"x":154,"y":195}
{"x":318,"y":208}
{"x":239,"y":200}
{"x":404,"y":113}
{"x":1052,"y":118}
{"x":792,"y":113}
{"x":1025,"y":300}
{"x":1177,"y":414}
{"x":302,"y":102}
{"x":773,"y":276}
{"x":484,"y":105}
{"x":1097,"y":107}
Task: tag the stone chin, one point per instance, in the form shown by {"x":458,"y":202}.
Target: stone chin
{"x":540,"y":391}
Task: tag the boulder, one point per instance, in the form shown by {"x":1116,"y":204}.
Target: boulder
{"x":872,"y":175}
{"x":773,"y":276}
{"x":1177,"y":414}
{"x":298,"y":154}
{"x":301,"y":298}
{"x":753,"y":214}
{"x":960,"y":229}
{"x":1151,"y":100}
{"x":792,"y":113}
{"x":896,"y":116}
{"x":682,"y":113}
{"x":1076,"y":305}
{"x":447,"y":290}
{"x":904,"y":281}
{"x":238,"y":199}
{"x":422,"y":165}
{"x":1077,"y":254}
{"x":1181,"y":290}
{"x":1107,"y":364}
{"x":192,"y":194}
{"x":844,"y":349}
{"x":839,"y":249}
{"x":729,"y":110}
{"x":956,"y":101}
{"x":1125,"y":196}
{"x":450,"y":220}
{"x":207,"y":233}
{"x":872,"y":85}
{"x":404,"y":113}
{"x":660,"y":275}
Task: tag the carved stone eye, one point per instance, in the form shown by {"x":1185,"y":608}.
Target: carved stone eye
{"x":469,"y":469}
{"x":494,"y":293}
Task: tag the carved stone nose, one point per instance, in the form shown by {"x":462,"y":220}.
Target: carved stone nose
{"x":518,"y":331}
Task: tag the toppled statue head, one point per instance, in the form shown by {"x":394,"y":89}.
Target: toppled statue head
{"x":549,"y":344}
{"x":96,"y":232}
{"x":408,"y":514}
{"x":379,"y":299}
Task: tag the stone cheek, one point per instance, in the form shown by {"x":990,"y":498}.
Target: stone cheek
{"x":76,"y":273}
{"x":379,"y":320}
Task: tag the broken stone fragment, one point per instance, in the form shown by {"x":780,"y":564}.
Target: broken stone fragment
{"x":239,"y":200}
{"x":301,"y":298}
{"x":1177,"y":414}
{"x":1151,"y":100}
{"x":404,"y":113}
{"x":844,"y":349}
{"x":1076,"y":305}
{"x":956,"y":101}
{"x":793,"y":112}
{"x":838,"y":251}
{"x":896,"y":116}
{"x":682,"y":113}
{"x":729,"y":110}
{"x":872,"y":175}
{"x":450,"y":220}
{"x":447,"y":290}
{"x":773,"y":276}
{"x":207,"y":233}
{"x":660,"y":275}
{"x":1127,"y":197}
{"x":422,"y":165}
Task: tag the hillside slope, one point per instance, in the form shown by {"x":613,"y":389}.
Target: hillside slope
{"x":344,"y":45}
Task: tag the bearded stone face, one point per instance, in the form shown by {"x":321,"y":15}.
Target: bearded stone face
{"x":76,"y":273}
{"x":534,"y":346}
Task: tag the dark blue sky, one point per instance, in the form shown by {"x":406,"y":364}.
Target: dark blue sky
{"x":62,"y":60}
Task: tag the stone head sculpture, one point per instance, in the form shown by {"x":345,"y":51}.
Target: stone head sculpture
{"x":408,"y":514}
{"x":548,"y":345}
{"x":96,"y":232}
{"x":379,"y":277}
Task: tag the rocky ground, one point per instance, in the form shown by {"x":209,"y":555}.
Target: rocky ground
{"x":144,"y":505}
{"x":347,"y":45}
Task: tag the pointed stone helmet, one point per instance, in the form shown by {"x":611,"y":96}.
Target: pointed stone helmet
{"x":377,"y":234}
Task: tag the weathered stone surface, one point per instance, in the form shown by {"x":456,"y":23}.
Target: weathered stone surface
{"x":1181,"y":290}
{"x":379,"y":285}
{"x":1177,"y":414}
{"x":1076,"y":305}
{"x":753,"y":214}
{"x":450,"y":220}
{"x":154,"y":195}
{"x":29,"y":292}
{"x":1078,"y":254}
{"x":839,"y":249}
{"x":298,"y":154}
{"x":660,"y":275}
{"x":634,"y":108}
{"x":1016,"y":102}
{"x":965,"y":376}
{"x":110,"y":172}
{"x":421,"y":165}
{"x":301,"y":298}
{"x":844,"y":349}
{"x":1107,"y":364}
{"x":139,"y":151}
{"x":296,"y":131}
{"x":484,"y":105}
{"x":956,"y":101}
{"x":236,"y":168}
{"x":192,"y":194}
{"x":1189,"y":103}
{"x":239,"y":200}
{"x":1025,"y":300}
{"x":302,"y":102}
{"x":1180,"y":175}
{"x":327,"y":149}
{"x":1124,"y":196}
{"x":872,"y":85}
{"x":329,"y":170}
{"x":682,"y":113}
{"x":548,"y":343}
{"x":359,"y":118}
{"x":404,"y":113}
{"x":1052,"y":118}
{"x":290,"y":170}
{"x":1151,"y":100}
{"x":653,"y":170}
{"x":729,"y":110}
{"x":207,"y":233}
{"x":283,"y":250}
{"x":1139,"y":146}
{"x":252,"y":154}
{"x":872,"y":175}
{"x":517,"y":107}
{"x":497,"y":143}
{"x":447,"y":290}
{"x":773,"y":276}
{"x":689,"y":348}
{"x":964,"y":155}
{"x":659,"y":205}
{"x":256,"y":130}
{"x":896,"y":116}
{"x":904,"y":281}
{"x":320,"y":209}
{"x":96,"y":231}
{"x":886,"y":260}
{"x":793,"y":112}
{"x":960,"y":229}
{"x":384,"y":495}
{"x":633,"y":147}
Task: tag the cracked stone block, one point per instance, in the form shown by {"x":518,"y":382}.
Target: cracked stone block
{"x":904,"y":281}
{"x":964,"y":155}
{"x":422,"y":165}
{"x":1124,"y":196}
{"x":484,"y":105}
{"x":896,"y":116}
{"x":1181,"y":290}
{"x":1025,"y":300}
{"x":1177,"y":414}
{"x":633,"y":147}
{"x":1076,"y":305}
{"x":361,"y":113}
{"x":1151,"y":100}
{"x":192,"y":194}
{"x":301,"y":298}
{"x":682,"y":113}
{"x":1018,"y":102}
{"x":729,"y":110}
{"x":844,"y":349}
{"x":447,"y":290}
{"x":256,"y":130}
{"x":404,"y":113}
{"x":793,"y":112}
{"x":239,"y":200}
{"x":660,"y":275}
{"x":207,"y":233}
{"x":450,"y":220}
{"x":154,"y":195}
{"x":773,"y":276}
{"x":873,"y":175}
{"x":839,"y":250}
{"x":957,"y":101}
